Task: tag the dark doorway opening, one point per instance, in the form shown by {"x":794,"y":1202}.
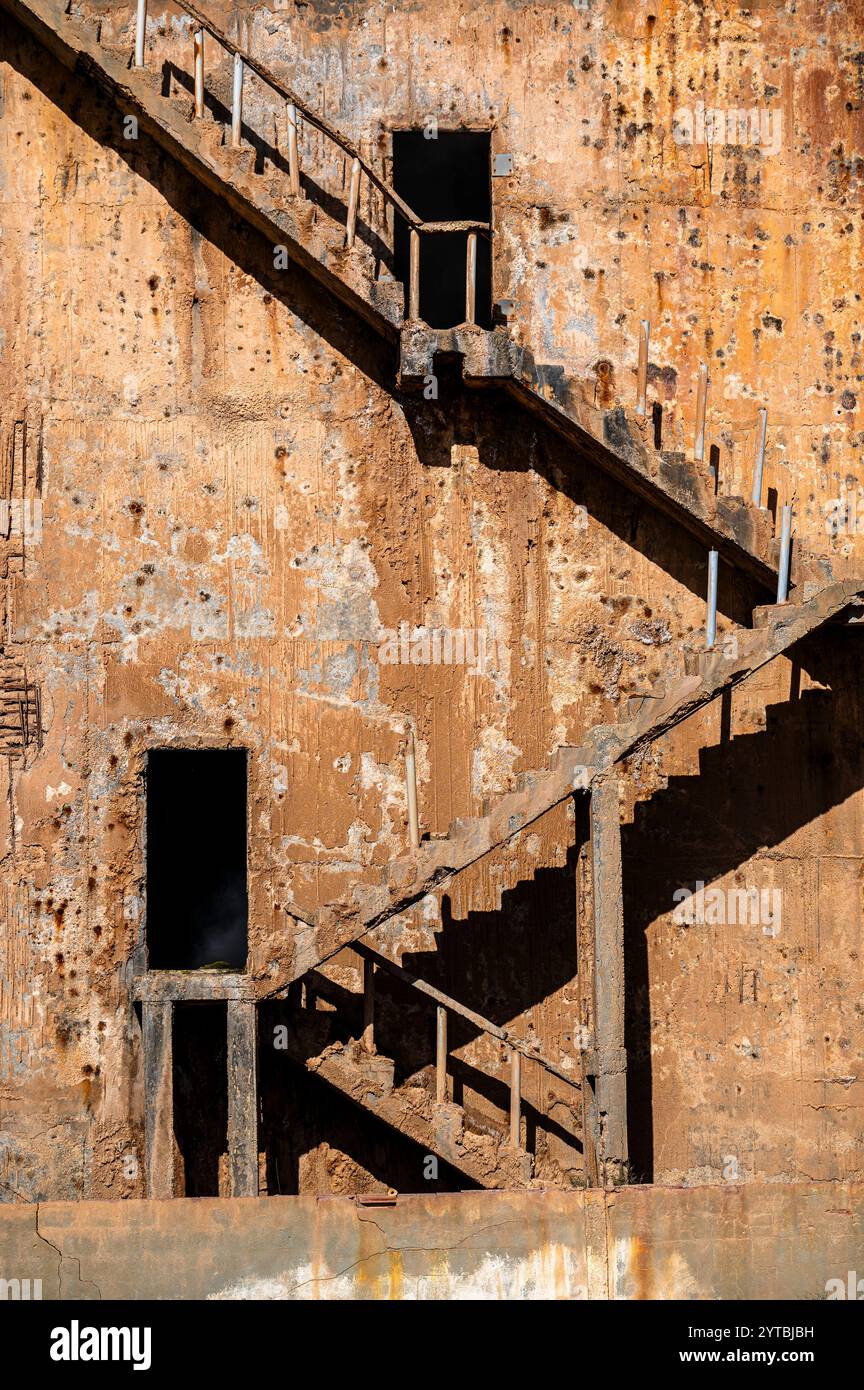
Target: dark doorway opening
{"x":197,"y":905}
{"x":200,"y":1077}
{"x":445,"y":180}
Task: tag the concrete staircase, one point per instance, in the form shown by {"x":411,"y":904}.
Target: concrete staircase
{"x":410,"y":878}
{"x":616,"y":440}
{"x":442,"y":1128}
{"x":367,"y":1078}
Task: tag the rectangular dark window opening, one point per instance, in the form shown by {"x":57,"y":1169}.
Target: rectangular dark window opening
{"x":197,"y":901}
{"x":447,"y":179}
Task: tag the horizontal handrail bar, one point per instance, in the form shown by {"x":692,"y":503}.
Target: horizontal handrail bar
{"x":434,"y":227}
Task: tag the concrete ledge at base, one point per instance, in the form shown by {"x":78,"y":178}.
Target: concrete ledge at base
{"x":755,"y":1241}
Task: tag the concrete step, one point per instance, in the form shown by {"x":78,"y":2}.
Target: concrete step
{"x":767,"y":613}
{"x":211,"y":136}
{"x":240,"y":159}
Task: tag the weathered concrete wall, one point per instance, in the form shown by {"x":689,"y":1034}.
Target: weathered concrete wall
{"x":742,"y":246}
{"x":236,"y":500}
{"x":752,"y":1242}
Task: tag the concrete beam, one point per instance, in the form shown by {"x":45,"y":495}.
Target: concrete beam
{"x":610,"y":1060}
{"x":159,"y":1098}
{"x":165,"y":986}
{"x":242,"y":1098}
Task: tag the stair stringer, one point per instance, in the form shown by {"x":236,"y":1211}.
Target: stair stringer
{"x":366,"y":1078}
{"x":574,"y":769}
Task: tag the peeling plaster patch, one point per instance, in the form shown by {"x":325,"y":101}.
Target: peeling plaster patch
{"x":283,"y":746}
{"x":555,"y":1271}
{"x":343,"y":577}
{"x":736,"y":389}
{"x":245,"y":549}
{"x":239,"y":662}
{"x":180,"y":688}
{"x":78,"y":622}
{"x":352,"y":856}
{"x":492,"y":563}
{"x":340,"y":670}
{"x":492,"y":763}
{"x":379,"y":777}
{"x":586,"y":326}
{"x":336,"y":676}
{"x":52,"y":792}
{"x":86,"y":533}
{"x":672,"y":1274}
{"x":390,"y":787}
{"x":254,"y":622}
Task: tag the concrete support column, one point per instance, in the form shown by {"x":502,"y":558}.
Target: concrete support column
{"x":242,"y":1098}
{"x":158,"y":1098}
{"x":610,"y":1059}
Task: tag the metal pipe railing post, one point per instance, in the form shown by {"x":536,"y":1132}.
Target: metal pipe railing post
{"x":785,"y":554}
{"x":515,"y":1098}
{"x":711,"y":623}
{"x":642,"y":373}
{"x":237,"y":102}
{"x":701,"y":404}
{"x":140,"y":30}
{"x":353,"y":199}
{"x":414,"y":276}
{"x":198,"y":50}
{"x":411,"y":789}
{"x":759,"y":463}
{"x":440,"y":1054}
{"x":471,"y":278}
{"x":293,"y":157}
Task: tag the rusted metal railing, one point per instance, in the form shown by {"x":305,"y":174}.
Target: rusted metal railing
{"x":444,"y":1005}
{"x":243,"y":62}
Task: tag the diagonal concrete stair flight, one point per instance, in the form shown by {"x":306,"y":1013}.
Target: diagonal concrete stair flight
{"x":616,"y":440}
{"x":410,"y":878}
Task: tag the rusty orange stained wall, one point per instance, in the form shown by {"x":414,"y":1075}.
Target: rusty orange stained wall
{"x":235,"y":501}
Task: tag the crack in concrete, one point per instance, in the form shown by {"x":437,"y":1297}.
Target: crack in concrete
{"x":60,"y":1258}
{"x":398,"y":1249}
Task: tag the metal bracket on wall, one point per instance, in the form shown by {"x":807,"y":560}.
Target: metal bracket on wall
{"x":502,"y":164}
